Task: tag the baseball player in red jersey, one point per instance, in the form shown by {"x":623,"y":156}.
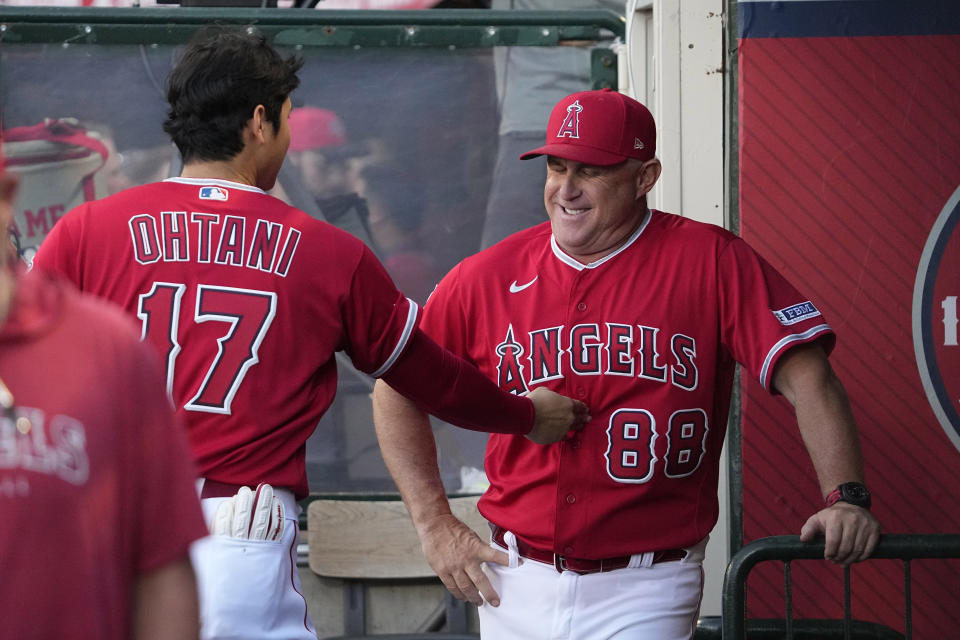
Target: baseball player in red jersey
{"x":642,"y":315}
{"x":96,"y":483}
{"x":247,"y":300}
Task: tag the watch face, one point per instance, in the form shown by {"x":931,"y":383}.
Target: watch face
{"x":855,"y":493}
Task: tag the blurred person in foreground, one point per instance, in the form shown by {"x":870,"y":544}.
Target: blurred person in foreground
{"x":97,"y":501}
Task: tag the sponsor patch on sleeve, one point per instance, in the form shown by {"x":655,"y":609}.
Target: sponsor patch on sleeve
{"x":796,"y":313}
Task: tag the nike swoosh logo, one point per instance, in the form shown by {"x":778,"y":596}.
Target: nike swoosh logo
{"x":516,"y":288}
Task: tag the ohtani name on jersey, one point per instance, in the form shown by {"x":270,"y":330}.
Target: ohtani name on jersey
{"x":210,"y":237}
{"x":591,"y":350}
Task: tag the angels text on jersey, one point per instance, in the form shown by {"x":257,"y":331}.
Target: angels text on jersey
{"x":54,"y":445}
{"x":587,"y":349}
{"x":213,"y":238}
{"x":592,"y":350}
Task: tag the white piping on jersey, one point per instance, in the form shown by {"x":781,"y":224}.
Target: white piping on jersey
{"x":215,"y":181}
{"x":402,"y":342}
{"x":579,"y":266}
{"x":777,"y":348}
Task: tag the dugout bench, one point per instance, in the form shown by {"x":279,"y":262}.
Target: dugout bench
{"x":364,"y":540}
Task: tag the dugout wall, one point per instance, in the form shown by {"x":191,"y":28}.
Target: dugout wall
{"x":849,"y":174}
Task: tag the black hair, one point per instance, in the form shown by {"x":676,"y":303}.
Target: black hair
{"x":219,"y":79}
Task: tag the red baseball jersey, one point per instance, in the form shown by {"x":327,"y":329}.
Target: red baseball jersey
{"x":247,"y":300}
{"x":647,"y":337}
{"x":100,"y":488}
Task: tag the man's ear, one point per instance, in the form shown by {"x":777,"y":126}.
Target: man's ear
{"x":647,"y":176}
{"x":258,"y":122}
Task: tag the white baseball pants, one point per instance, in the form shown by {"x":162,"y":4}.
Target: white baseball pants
{"x":660,"y":601}
{"x":250,"y":589}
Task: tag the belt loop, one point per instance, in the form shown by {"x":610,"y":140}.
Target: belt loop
{"x":646,"y":559}
{"x":510,"y":539}
{"x":559,"y":563}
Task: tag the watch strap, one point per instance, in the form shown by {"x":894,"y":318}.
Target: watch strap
{"x":855,"y":493}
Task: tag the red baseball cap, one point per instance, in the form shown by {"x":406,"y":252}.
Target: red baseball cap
{"x":314,"y":128}
{"x":601,"y":127}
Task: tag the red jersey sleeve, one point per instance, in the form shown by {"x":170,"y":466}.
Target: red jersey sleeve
{"x":377,"y":319}
{"x":449,"y":385}
{"x":761,"y":314}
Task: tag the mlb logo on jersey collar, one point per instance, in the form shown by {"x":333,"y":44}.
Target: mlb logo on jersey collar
{"x":213,"y":193}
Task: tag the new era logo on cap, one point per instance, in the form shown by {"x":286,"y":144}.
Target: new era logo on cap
{"x":600,"y":127}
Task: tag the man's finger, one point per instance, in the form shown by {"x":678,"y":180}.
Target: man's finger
{"x":873,"y":537}
{"x":468,"y":588}
{"x":811,"y":528}
{"x":846,"y":545}
{"x":581,"y":415}
{"x":489,"y":554}
{"x":452,"y":587}
{"x":833,"y":533}
{"x":486,"y":590}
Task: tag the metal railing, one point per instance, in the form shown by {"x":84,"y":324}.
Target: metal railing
{"x":430,"y":28}
{"x":310,"y":28}
{"x":904,"y":547}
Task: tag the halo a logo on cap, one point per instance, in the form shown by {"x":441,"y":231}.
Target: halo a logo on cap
{"x":571,"y":124}
{"x":935,"y":295}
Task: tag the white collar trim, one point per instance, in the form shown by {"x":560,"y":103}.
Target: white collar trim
{"x":579,"y":266}
{"x":220,"y":183}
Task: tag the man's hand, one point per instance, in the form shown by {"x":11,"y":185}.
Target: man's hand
{"x":556,"y":416}
{"x":851,"y":532}
{"x":456,"y":554}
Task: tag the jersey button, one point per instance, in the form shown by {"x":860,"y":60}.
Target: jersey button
{"x":568,"y":550}
{"x":582,"y":306}
{"x":571,"y":498}
{"x":581,"y":392}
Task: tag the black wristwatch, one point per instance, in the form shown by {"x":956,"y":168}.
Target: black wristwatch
{"x":855,"y":493}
